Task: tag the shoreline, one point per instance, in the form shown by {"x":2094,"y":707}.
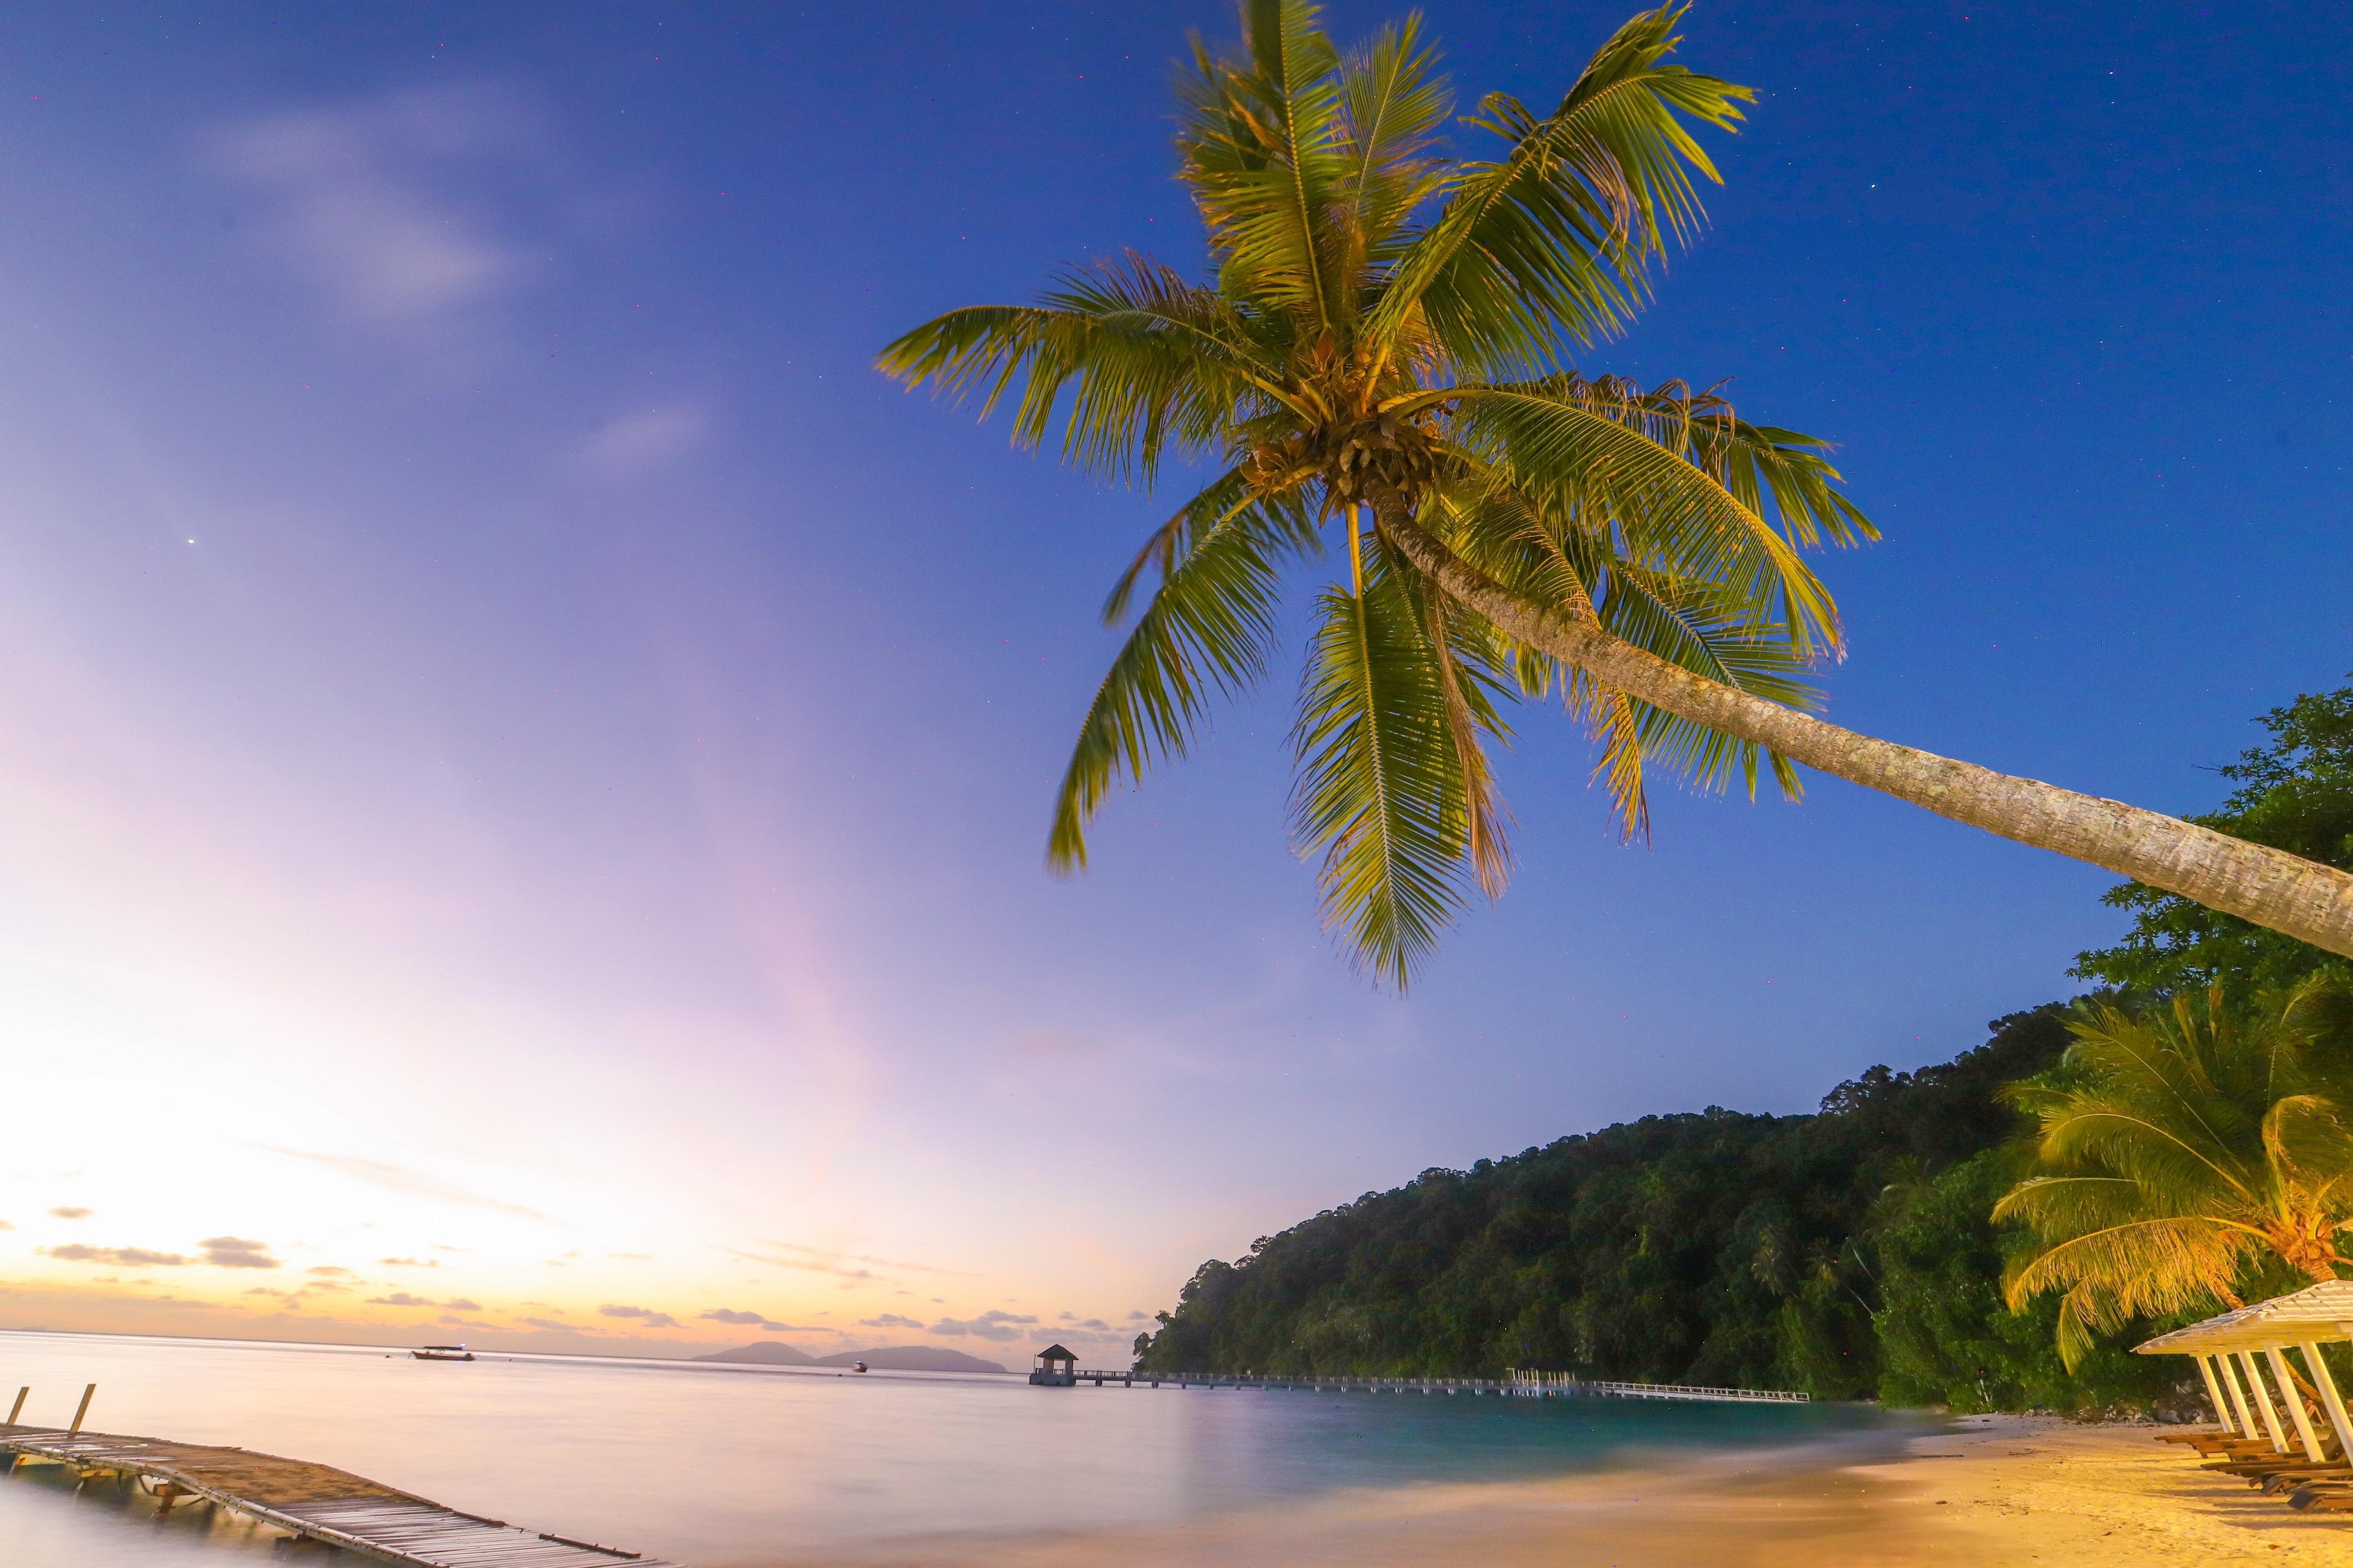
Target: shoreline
{"x":2023,"y":1488}
{"x":1988,"y":1491}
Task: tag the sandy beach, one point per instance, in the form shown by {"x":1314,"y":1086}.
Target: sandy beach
{"x":2012,"y":1490}
{"x":1976,"y":1492}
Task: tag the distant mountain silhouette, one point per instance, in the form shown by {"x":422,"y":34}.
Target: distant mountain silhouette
{"x":891,"y":1358}
{"x":761,"y":1356}
{"x":911,"y":1358}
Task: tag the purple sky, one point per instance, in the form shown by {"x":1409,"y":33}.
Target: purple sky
{"x":519,"y":753}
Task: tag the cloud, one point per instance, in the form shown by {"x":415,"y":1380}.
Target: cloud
{"x":5,"y":1225}
{"x":996,"y":1326}
{"x":552,"y":1323}
{"x":1095,"y":1323}
{"x":742,"y":1320}
{"x":400,"y":1179}
{"x":69,"y":1214}
{"x":633,"y":1257}
{"x":637,"y":443}
{"x":890,"y":1321}
{"x":362,"y":195}
{"x":398,"y":1299}
{"x":235,"y":1252}
{"x":459,"y":1304}
{"x":647,"y":1315}
{"x":826,"y":1260}
{"x":331,"y":1271}
{"x":1139,"y":1316}
{"x":128,"y":1256}
{"x":410,"y":1262}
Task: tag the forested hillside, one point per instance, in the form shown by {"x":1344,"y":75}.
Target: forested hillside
{"x":1848,"y":1252}
{"x":1707,"y":1247}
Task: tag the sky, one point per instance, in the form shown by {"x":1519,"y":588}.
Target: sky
{"x":524,"y":762}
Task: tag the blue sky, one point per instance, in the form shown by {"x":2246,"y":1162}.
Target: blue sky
{"x":549,"y":755}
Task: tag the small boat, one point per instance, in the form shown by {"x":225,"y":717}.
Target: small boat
{"x":857,"y":1366}
{"x":443,"y":1353}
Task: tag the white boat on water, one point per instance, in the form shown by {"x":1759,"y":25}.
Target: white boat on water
{"x":443,"y":1353}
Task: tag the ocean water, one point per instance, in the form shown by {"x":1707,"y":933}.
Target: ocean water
{"x":756,"y":1467}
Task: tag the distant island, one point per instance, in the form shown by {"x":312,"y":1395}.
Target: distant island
{"x":890,"y":1358}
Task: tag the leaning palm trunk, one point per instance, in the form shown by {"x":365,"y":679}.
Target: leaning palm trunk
{"x":2286,"y":892}
{"x":1389,"y":324}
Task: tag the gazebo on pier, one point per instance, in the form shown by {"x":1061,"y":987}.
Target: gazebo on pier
{"x":1057,"y":1368}
{"x":2241,"y":1342}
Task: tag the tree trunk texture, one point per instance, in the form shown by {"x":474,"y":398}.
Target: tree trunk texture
{"x":2269,"y":887}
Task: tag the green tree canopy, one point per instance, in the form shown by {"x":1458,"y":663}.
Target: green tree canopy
{"x":2296,"y":794}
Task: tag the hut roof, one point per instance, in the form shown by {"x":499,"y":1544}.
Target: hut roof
{"x":1056,"y":1352}
{"x":2322,"y":1311}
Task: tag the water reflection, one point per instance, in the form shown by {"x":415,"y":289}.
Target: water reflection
{"x":745,"y":1467}
{"x":49,"y":1518}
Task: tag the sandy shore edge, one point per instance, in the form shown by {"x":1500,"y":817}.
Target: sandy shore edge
{"x":1972,"y":1492}
{"x":2003,"y":1489}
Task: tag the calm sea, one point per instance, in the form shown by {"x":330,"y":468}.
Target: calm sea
{"x":753,"y":1468}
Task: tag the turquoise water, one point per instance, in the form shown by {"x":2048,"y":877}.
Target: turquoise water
{"x":752,"y":1468}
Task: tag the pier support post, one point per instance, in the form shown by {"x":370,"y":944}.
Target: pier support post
{"x":18,"y":1409}
{"x":82,"y":1410}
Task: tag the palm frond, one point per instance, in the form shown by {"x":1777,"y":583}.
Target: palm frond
{"x":1384,"y":788}
{"x":2190,"y":1149}
{"x":1667,"y":514}
{"x":1259,"y":147}
{"x":1138,"y":359}
{"x":1206,"y":632}
{"x":1580,"y":572}
{"x":1555,"y":240}
{"x":1393,"y":99}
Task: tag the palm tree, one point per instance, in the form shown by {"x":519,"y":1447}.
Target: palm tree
{"x":1384,"y":344}
{"x":2189,"y":1151}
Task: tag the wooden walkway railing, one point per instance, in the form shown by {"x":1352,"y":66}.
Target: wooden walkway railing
{"x":312,"y":1501}
{"x":1518,"y":1386}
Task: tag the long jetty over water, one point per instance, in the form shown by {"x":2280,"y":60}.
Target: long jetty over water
{"x":1518,"y":1386}
{"x":313,"y":1500}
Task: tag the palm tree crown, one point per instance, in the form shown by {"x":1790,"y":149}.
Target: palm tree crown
{"x":1384,"y":340}
{"x":2187,"y":1152}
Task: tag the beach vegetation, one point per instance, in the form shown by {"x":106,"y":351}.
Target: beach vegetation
{"x":2186,"y":1157}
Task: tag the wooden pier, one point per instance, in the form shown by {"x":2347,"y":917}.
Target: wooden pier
{"x":1524,"y":1385}
{"x":313,"y":1500}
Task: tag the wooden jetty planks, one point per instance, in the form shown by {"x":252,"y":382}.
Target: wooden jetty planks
{"x":320,"y":1503}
